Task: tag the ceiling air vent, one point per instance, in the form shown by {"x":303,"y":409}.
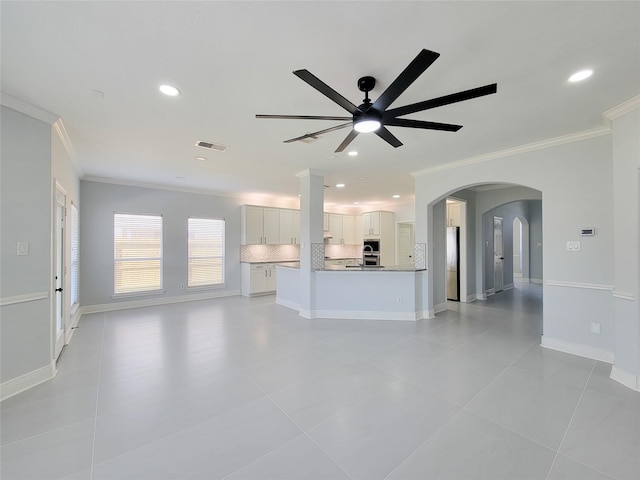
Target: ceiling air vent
{"x":211,"y":146}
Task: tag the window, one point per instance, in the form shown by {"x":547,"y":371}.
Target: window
{"x":137,"y":253}
{"x":205,"y":252}
{"x":75,"y":255}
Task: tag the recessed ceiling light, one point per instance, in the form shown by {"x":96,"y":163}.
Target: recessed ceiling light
{"x":202,"y":159}
{"x":339,"y":185}
{"x":396,"y":196}
{"x":352,"y":153}
{"x":356,"y":203}
{"x":169,"y":90}
{"x":581,"y":75}
{"x":363,"y":178}
{"x":181,"y":178}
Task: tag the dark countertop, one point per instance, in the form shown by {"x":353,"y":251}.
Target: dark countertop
{"x":391,"y":268}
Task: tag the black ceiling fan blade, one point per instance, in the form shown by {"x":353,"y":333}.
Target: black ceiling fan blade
{"x":440,"y":101}
{"x":304,"y":117}
{"x":417,"y":66}
{"x":326,"y":90}
{"x":320,"y":132}
{"x":405,"y":122}
{"x":352,"y":134}
{"x":388,"y":137}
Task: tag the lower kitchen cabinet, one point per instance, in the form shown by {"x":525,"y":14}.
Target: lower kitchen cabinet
{"x":258,"y":278}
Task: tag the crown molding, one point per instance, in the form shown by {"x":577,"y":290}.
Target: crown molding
{"x":131,"y":183}
{"x":63,"y":136}
{"x":623,"y":108}
{"x":530,"y":147}
{"x":28,"y":109}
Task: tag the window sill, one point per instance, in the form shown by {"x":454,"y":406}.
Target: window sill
{"x":200,"y":288}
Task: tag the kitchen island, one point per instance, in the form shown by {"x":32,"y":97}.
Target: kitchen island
{"x":376,"y":293}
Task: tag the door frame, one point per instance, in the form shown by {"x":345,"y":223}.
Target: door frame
{"x":462,"y":273}
{"x":58,"y":263}
{"x":412,"y":237}
{"x":495,"y":289}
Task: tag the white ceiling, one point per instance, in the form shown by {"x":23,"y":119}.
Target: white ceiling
{"x":232,"y":60}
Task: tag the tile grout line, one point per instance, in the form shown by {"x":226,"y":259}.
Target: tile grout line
{"x":95,"y":421}
{"x":584,"y":389}
{"x":463,"y":408}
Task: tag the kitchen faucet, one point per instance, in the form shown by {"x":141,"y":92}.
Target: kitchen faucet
{"x":364,"y":249}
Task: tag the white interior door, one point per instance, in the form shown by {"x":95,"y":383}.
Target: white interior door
{"x":405,"y":244}
{"x":498,"y":255}
{"x":58,"y":293}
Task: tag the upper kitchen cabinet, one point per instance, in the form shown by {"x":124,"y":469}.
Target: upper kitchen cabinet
{"x":260,"y":225}
{"x":342,"y":228}
{"x":375,"y":224}
{"x":453,"y":214}
{"x":289,"y":227}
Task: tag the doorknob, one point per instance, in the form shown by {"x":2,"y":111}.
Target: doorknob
{"x":59,"y":289}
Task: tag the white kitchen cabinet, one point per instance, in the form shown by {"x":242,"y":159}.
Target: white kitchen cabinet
{"x":453,"y":214}
{"x":260,"y":225}
{"x":289,"y":227}
{"x":258,"y":278}
{"x":342,"y":228}
{"x":335,"y":227}
{"x":371,"y":224}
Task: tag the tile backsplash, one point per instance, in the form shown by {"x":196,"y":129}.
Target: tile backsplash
{"x":269,"y":253}
{"x":287,"y":253}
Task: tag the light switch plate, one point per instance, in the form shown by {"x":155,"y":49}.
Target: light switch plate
{"x":573,"y":245}
{"x":22,"y":248}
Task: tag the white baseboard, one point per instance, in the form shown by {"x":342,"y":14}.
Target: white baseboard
{"x":367,"y":315}
{"x":508,"y":286}
{"x":535,"y":280}
{"x":287,"y":303}
{"x":28,"y":380}
{"x":586,"y":351}
{"x":441,"y":307}
{"x":150,"y":302}
{"x":473,"y":298}
{"x":625,"y":378}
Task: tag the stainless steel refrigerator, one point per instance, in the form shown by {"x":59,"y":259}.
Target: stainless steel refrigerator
{"x":453,"y":263}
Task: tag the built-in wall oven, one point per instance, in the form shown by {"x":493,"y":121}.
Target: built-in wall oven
{"x":371,"y":253}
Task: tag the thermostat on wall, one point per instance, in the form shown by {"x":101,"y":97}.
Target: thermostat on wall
{"x":587,"y":232}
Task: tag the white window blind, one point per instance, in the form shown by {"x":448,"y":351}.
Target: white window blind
{"x":137,"y":253}
{"x":205,"y":252}
{"x":75,"y":255}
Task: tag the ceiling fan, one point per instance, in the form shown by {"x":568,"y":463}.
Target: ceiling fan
{"x":374,"y":117}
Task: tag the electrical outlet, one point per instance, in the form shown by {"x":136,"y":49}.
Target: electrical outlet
{"x":399,"y":299}
{"x":595,"y":328}
{"x":182,"y":285}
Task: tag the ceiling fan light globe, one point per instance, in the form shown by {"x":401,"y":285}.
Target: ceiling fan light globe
{"x":367,"y":126}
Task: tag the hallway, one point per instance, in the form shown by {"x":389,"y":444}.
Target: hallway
{"x":242,"y":388}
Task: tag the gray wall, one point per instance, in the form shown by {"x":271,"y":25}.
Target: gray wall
{"x":508,"y":212}
{"x":25,"y":216}
{"x":101,"y":200}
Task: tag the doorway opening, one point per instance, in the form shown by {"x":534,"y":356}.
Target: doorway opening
{"x":456,"y":250}
{"x":59,"y":310}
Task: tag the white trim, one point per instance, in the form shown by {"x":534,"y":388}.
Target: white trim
{"x":287,"y":303}
{"x":150,"y":302}
{"x":536,"y":280}
{"x":624,"y":295}
{"x":530,"y":147}
{"x":623,"y":108}
{"x":64,"y":138}
{"x":587,"y":286}
{"x":627,"y":379}
{"x":488,"y":293}
{"x":27,"y":297}
{"x":28,"y":380}
{"x":27,"y":109}
{"x":586,"y":351}
{"x":509,"y":286}
{"x":441,"y":307}
{"x":472,"y":298}
{"x":368,"y":315}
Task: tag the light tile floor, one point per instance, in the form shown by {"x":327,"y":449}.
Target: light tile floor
{"x":242,"y":388}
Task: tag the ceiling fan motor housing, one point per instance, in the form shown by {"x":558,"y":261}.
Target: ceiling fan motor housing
{"x":366,"y":84}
